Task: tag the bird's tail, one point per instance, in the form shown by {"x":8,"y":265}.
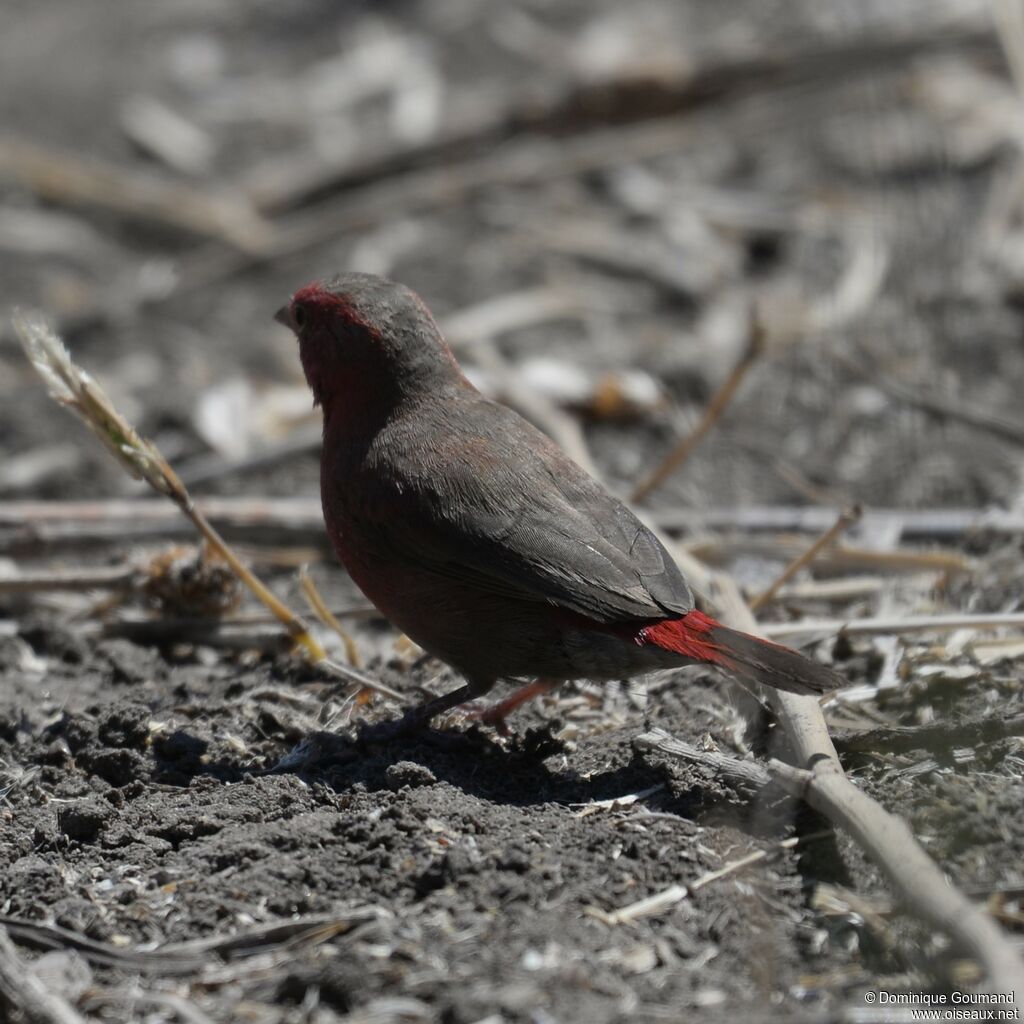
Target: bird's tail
{"x":697,"y":637}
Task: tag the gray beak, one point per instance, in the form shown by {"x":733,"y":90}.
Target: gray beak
{"x":284,"y":316}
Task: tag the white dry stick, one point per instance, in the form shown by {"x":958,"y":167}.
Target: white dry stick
{"x":668,"y":898}
{"x":616,"y":802}
{"x":61,"y":176}
{"x":895,"y":625}
{"x":302,"y":518}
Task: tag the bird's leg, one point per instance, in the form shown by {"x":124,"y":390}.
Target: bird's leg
{"x":419,"y":717}
{"x":424,"y":712}
{"x":495,"y":714}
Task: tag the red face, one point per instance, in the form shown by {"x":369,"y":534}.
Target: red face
{"x":315,"y":308}
{"x":336,"y":344}
{"x":365,"y":342}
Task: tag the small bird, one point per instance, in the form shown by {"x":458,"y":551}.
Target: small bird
{"x":475,"y":535}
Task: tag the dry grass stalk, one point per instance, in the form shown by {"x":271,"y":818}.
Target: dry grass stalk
{"x":846,"y":519}
{"x":327,"y":617}
{"x":74,"y":388}
{"x":895,"y":625}
{"x":717,"y":405}
{"x":839,"y":558}
{"x":114,"y":578}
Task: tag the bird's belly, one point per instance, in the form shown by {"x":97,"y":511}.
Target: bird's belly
{"x":484,"y":635}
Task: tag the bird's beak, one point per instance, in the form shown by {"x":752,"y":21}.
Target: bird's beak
{"x":284,"y":316}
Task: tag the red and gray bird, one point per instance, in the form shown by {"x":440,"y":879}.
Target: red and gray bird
{"x":475,"y":535}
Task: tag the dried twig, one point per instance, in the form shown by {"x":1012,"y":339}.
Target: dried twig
{"x":25,"y":993}
{"x":226,"y":634}
{"x":940,"y":406}
{"x":848,"y":588}
{"x":944,"y":735}
{"x":892,"y":846}
{"x":744,"y":776}
{"x":716,"y":407}
{"x":840,"y":557}
{"x":846,"y":519}
{"x":1009,"y":23}
{"x":300,"y":520}
{"x":166,"y":135}
{"x":513,"y":311}
{"x":65,"y":178}
{"x":883,"y":836}
{"x":191,"y":957}
{"x":668,"y":898}
{"x":617,"y":802}
{"x":913,"y":524}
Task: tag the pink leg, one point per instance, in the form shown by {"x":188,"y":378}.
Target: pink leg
{"x":495,"y":714}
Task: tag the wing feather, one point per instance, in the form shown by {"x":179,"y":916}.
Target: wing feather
{"x":508,"y":513}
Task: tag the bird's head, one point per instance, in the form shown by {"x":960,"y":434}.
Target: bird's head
{"x":366,"y":343}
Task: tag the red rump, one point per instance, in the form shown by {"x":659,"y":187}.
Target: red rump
{"x":692,"y":636}
{"x":697,"y":637}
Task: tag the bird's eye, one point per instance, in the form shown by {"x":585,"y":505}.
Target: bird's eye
{"x":299,"y":316}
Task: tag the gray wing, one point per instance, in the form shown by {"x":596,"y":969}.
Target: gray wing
{"x":511,"y":513}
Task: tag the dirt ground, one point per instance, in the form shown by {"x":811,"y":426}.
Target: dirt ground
{"x":191,"y":828}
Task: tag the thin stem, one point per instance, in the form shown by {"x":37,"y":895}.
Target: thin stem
{"x":717,"y":405}
{"x":326,"y":616}
{"x":846,"y":519}
{"x":296,"y":627}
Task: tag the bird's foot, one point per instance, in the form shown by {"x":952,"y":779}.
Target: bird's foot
{"x":488,"y":714}
{"x":496,"y":714}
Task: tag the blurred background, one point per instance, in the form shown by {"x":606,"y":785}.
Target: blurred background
{"x":609,"y":207}
{"x":592,"y":200}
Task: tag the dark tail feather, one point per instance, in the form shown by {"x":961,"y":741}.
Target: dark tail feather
{"x":698,"y":637}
